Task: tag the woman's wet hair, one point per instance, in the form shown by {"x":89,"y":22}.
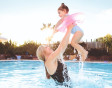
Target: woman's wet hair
{"x":63,"y":7}
{"x":39,"y":53}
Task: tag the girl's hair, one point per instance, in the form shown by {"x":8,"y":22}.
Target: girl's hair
{"x":39,"y":54}
{"x":63,"y":7}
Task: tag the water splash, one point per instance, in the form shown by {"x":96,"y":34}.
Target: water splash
{"x":81,"y":63}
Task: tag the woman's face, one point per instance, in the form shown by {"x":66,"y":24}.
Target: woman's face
{"x":47,"y":49}
{"x":61,"y":13}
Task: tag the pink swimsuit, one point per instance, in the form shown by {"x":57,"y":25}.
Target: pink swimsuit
{"x":71,"y":19}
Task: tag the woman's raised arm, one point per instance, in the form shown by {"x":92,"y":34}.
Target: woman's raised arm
{"x":62,"y":46}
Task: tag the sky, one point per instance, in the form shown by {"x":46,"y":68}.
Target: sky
{"x":21,"y":20}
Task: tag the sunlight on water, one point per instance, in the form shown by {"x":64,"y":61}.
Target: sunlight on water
{"x":31,"y":74}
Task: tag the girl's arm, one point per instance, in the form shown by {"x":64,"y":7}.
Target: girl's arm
{"x":55,"y":28}
{"x":63,"y":45}
{"x":58,"y":23}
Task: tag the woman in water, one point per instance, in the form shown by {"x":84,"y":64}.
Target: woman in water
{"x":76,"y":31}
{"x":53,"y":60}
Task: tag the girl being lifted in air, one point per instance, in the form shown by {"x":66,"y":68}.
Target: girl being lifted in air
{"x":77,"y":32}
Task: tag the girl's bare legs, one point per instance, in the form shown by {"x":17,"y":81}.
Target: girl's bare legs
{"x":75,"y":40}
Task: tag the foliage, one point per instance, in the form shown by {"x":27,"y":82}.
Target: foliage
{"x":54,"y":46}
{"x":28,"y":47}
{"x":2,"y":48}
{"x":10,"y":49}
{"x":107,"y":40}
{"x":47,"y":26}
{"x":69,"y":50}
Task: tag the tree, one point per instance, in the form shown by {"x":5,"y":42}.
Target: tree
{"x":2,"y":48}
{"x":46,"y":27}
{"x":29,"y":47}
{"x":55,"y":45}
{"x":9,"y":48}
{"x":107,"y":40}
{"x":69,"y":50}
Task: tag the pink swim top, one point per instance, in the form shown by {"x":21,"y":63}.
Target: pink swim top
{"x":70,"y":19}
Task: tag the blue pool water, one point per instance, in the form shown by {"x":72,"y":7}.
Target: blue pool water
{"x":31,"y":74}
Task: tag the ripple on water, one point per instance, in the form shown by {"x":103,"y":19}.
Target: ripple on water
{"x":31,"y":74}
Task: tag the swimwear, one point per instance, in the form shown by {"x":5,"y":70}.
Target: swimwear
{"x":76,"y":28}
{"x":61,"y":74}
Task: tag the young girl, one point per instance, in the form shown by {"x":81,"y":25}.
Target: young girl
{"x":76,"y":31}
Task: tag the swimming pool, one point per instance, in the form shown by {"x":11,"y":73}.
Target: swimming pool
{"x":31,"y":74}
